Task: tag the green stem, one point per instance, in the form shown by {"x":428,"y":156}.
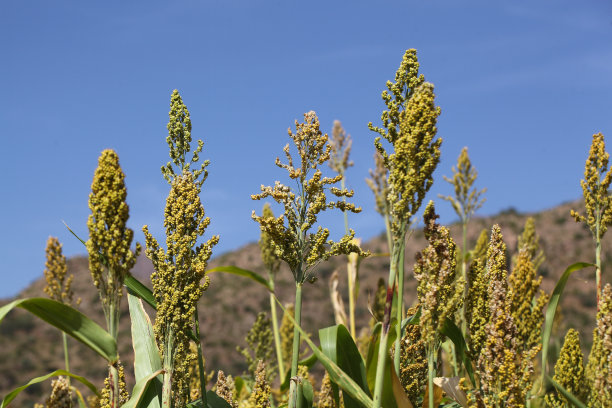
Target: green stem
{"x":66,"y":353}
{"x":430,"y":377}
{"x":168,"y":369}
{"x":388,"y":230}
{"x":400,"y":309}
{"x":277,"y":342}
{"x":384,"y":333}
{"x":350,"y":274}
{"x":200,"y":359}
{"x":113,"y":321}
{"x":296,"y":342}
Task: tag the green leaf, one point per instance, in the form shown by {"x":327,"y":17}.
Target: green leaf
{"x":11,"y":395}
{"x":140,"y":397}
{"x":336,"y":375}
{"x":245,"y":273}
{"x":70,"y":321}
{"x":387,"y":398}
{"x":338,"y":345}
{"x":307,"y":394}
{"x":138,"y":289}
{"x":570,"y":397}
{"x":146,"y":354}
{"x":450,"y":330}
{"x":551,"y":309}
{"x":215,"y":401}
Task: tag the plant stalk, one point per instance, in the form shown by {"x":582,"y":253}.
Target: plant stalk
{"x":350,"y":274}
{"x":296,"y":344}
{"x":277,"y":342}
{"x":430,"y":377}
{"x":113,"y":321}
{"x":200,"y":359}
{"x":465,"y":280}
{"x":168,"y":369}
{"x":384,"y":332}
{"x":400,"y":309}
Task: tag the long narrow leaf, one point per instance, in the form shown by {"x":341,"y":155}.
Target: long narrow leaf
{"x":138,"y":289}
{"x":139,"y":396}
{"x":70,"y":321}
{"x":451,"y":331}
{"x":551,"y":309}
{"x":307,"y":361}
{"x":244,"y":273}
{"x":335,"y":373}
{"x":146,"y":355}
{"x":11,"y":395}
{"x":338,"y":345}
{"x":387,"y":398}
{"x":570,"y":397}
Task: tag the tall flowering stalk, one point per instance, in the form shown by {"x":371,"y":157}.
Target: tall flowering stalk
{"x":272,"y":264}
{"x":409,"y":125}
{"x":339,"y":162}
{"x":439,"y":291}
{"x":110,"y":256}
{"x":58,"y":283}
{"x":465,"y":202}
{"x":379,"y":184}
{"x":290,"y":232}
{"x":597,"y":199}
{"x":179,"y":277}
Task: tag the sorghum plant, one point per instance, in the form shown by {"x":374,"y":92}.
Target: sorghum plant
{"x":110,"y":256}
{"x":466,"y":201}
{"x":180,"y":268}
{"x":439,"y":291}
{"x":409,"y":125}
{"x":293,"y":243}
{"x":339,"y":162}
{"x":58,"y":284}
{"x":597,"y":199}
{"x":569,"y":371}
{"x":272,"y":264}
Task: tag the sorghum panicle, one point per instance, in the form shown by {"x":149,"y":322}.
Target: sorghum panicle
{"x":260,"y":396}
{"x":467,"y":199}
{"x":110,"y":256}
{"x":58,"y":284}
{"x":378,"y":183}
{"x":340,"y":144}
{"x":266,"y":245}
{"x":226,"y":389}
{"x":569,"y":371}
{"x":260,"y":344}
{"x":440,"y":289}
{"x":599,"y":366}
{"x":595,"y":189}
{"x":179,"y":271}
{"x":289,"y":232}
{"x":61,"y":394}
{"x":179,"y":141}
{"x":413,"y":361}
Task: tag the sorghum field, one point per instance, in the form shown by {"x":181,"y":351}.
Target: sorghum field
{"x":426,"y":315}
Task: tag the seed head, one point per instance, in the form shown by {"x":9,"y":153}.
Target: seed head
{"x":266,"y":245}
{"x":179,"y":141}
{"x":289,"y":232}
{"x":340,"y":149}
{"x":179,"y":271}
{"x":440,"y":289}
{"x":569,"y":371}
{"x":595,"y":189}
{"x":260,"y":397}
{"x":378,"y":183}
{"x":110,"y":257}
{"x":58,"y":286}
{"x":61,"y":394}
{"x":599,"y":366}
{"x":467,"y":199}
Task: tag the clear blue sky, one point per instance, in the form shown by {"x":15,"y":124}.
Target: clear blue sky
{"x":523,"y":84}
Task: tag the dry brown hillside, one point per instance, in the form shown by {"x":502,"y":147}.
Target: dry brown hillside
{"x":29,"y":348}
